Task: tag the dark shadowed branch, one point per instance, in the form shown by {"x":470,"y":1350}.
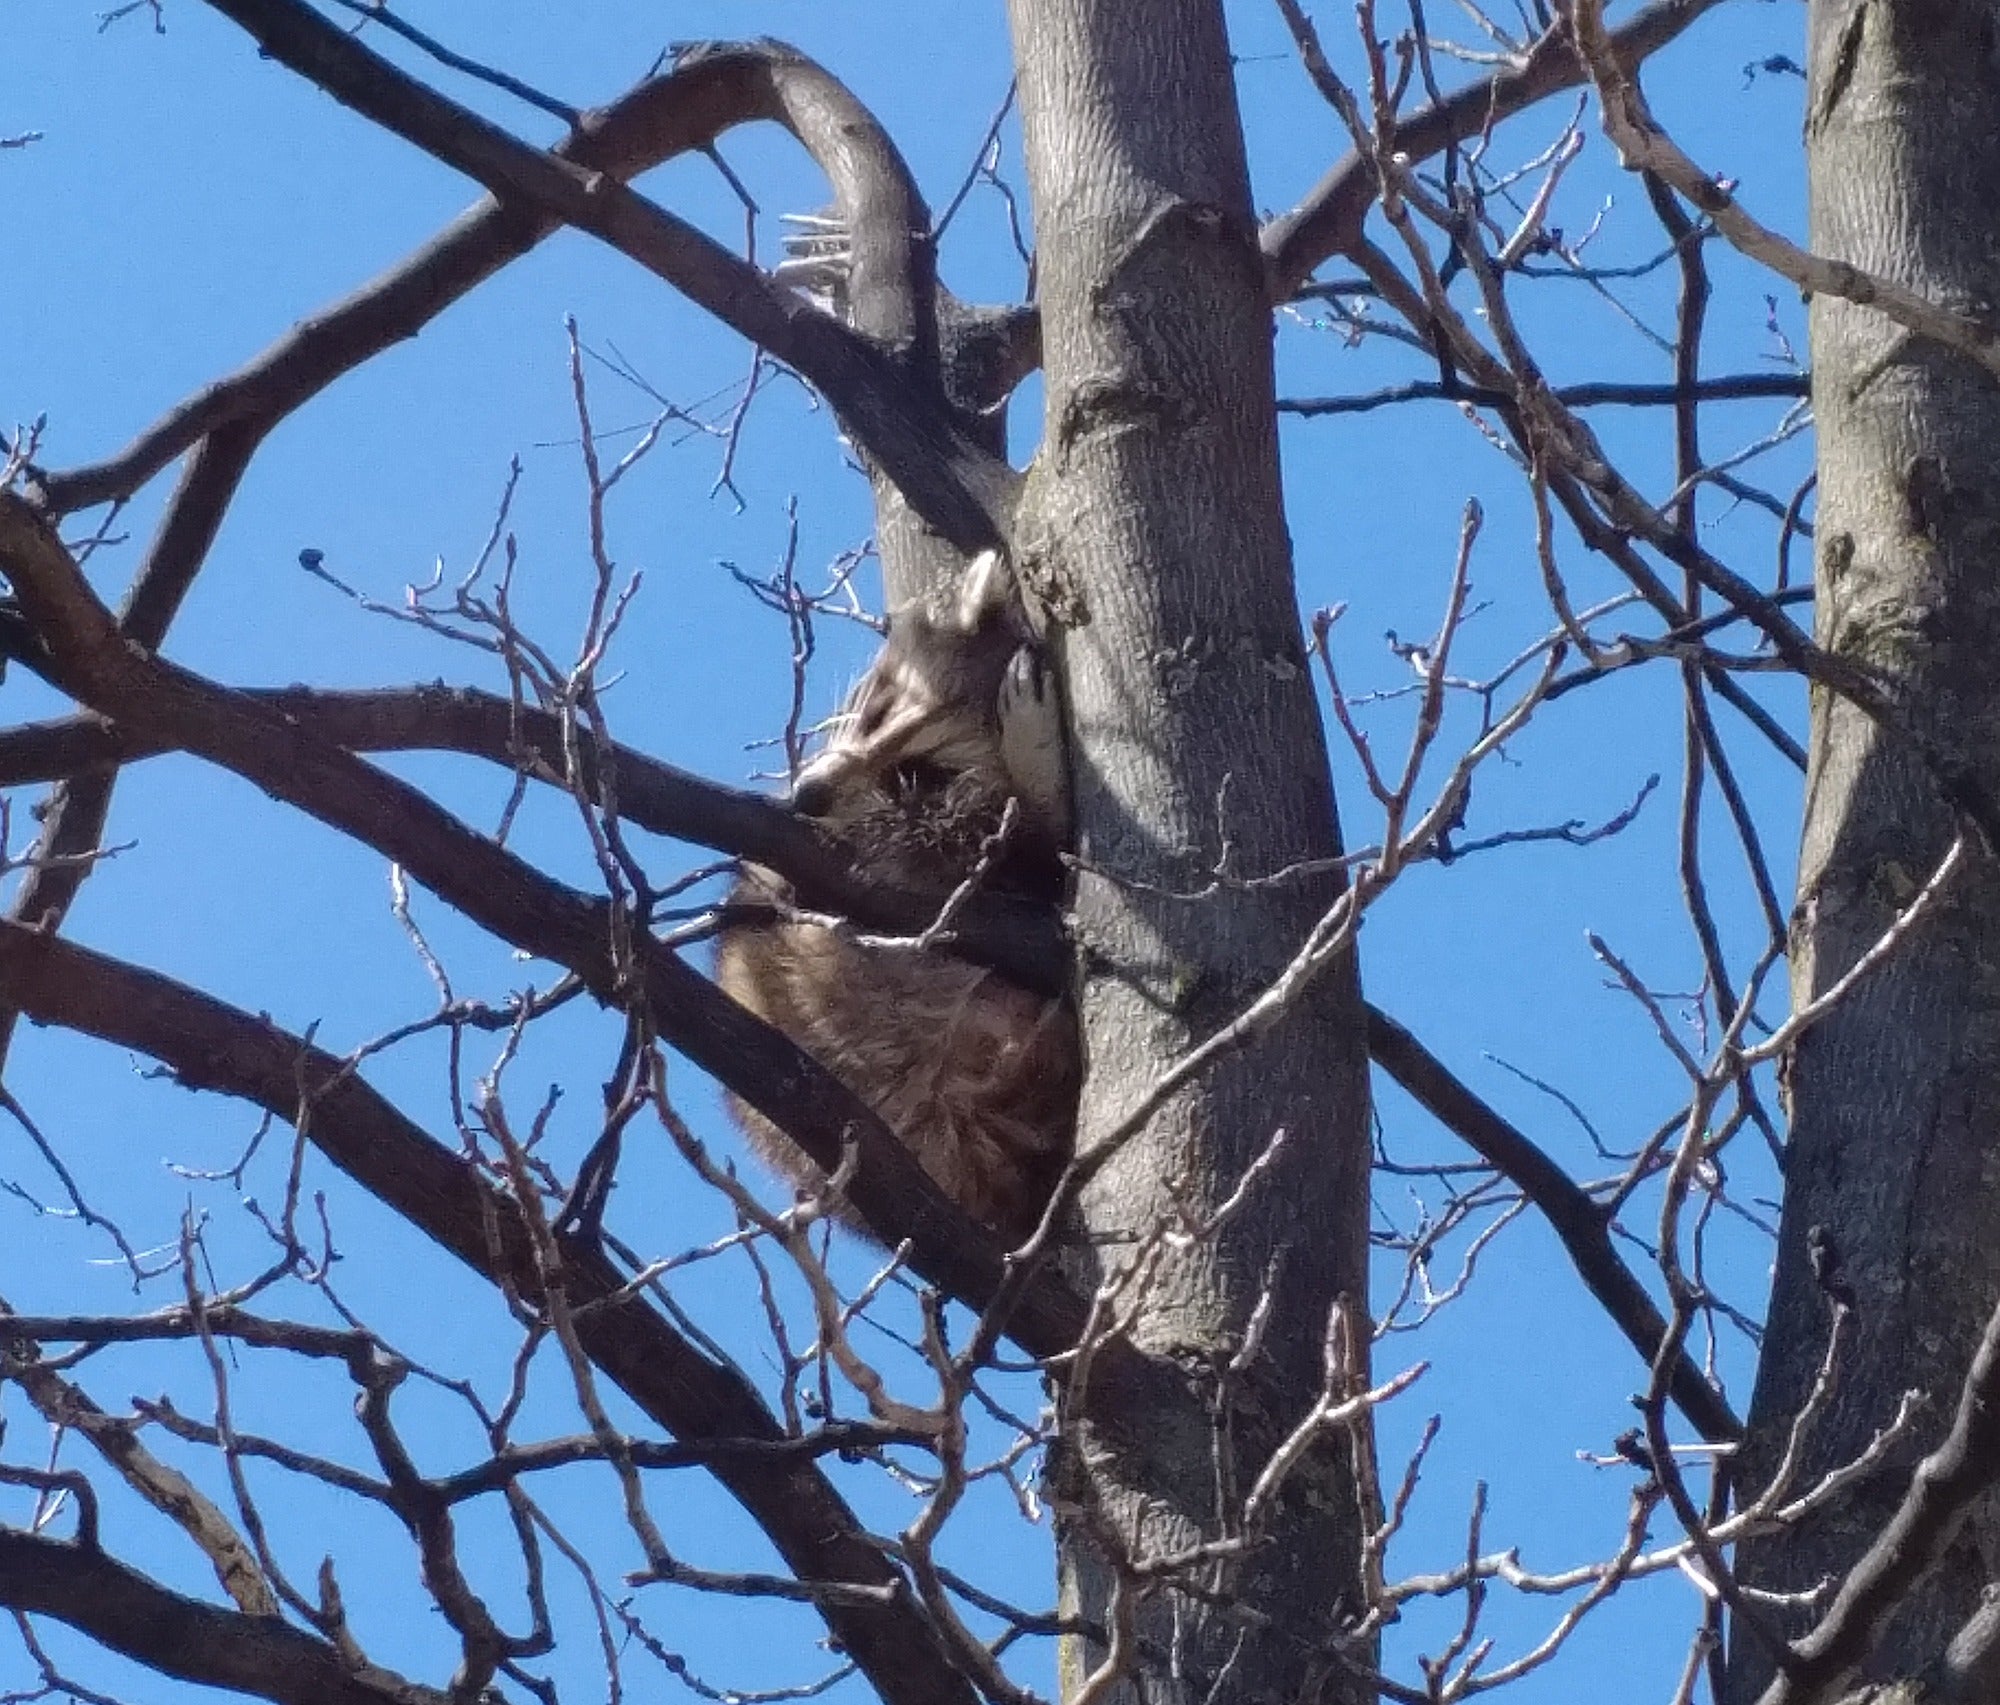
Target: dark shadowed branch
{"x":74,"y":818}
{"x":212,"y":1046}
{"x":1011,"y":934}
{"x":184,"y":1638}
{"x":1942,"y":1491}
{"x":684,"y":109}
{"x":710,"y":90}
{"x":958,"y":485}
{"x":1580,"y":1223}
{"x":1737,"y":387}
{"x":1025,"y":941}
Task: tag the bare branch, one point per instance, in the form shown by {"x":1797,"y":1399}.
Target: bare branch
{"x":64,"y":1404}
{"x":1579,"y":1222}
{"x":1644,"y":146}
{"x":961,"y":487}
{"x":1329,"y":219}
{"x":1942,"y":1490}
{"x":183,"y":1637}
{"x":1736,"y":387}
{"x":212,"y":1046}
{"x":992,"y":929}
{"x":506,"y":896}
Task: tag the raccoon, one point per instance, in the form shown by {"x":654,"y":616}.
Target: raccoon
{"x":976,"y":1075}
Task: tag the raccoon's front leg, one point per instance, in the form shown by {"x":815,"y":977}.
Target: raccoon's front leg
{"x":1031,"y":743}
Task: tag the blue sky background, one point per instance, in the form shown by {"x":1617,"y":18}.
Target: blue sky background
{"x":187,"y":202}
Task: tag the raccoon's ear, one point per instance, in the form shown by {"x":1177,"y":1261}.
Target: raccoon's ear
{"x":986,"y":590}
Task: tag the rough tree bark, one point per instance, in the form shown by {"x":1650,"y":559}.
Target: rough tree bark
{"x":1153,"y":527}
{"x":1895,"y":1099}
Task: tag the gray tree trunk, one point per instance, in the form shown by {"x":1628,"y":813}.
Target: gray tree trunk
{"x":1153,"y":524}
{"x":1895,"y":1099}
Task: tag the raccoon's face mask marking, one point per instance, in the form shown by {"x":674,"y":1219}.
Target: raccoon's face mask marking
{"x":959,"y":696}
{"x":903,"y":723}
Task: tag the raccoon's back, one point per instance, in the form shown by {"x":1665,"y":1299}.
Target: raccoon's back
{"x":976,"y":1076}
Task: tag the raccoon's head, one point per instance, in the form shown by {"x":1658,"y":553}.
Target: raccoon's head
{"x":957,"y":703}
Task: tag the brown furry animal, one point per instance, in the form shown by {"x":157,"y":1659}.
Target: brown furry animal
{"x":976,"y":1075}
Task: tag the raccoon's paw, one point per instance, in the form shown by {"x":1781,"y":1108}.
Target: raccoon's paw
{"x":1031,"y":740}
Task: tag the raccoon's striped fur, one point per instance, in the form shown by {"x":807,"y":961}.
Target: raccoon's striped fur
{"x":976,"y":1075}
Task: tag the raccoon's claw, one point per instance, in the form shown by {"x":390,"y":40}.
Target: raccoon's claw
{"x":819,"y":258}
{"x":1031,"y":740}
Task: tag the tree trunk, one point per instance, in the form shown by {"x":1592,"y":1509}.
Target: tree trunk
{"x":1153,"y":526}
{"x":1895,"y":1098}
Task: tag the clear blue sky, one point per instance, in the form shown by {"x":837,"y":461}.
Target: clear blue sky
{"x":188,"y":202}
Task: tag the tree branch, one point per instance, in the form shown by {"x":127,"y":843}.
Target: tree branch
{"x":212,"y":1046}
{"x":1942,"y":1490}
{"x":707,"y":92}
{"x":183,"y":1637}
{"x":64,"y":1404}
{"x":513,"y":901}
{"x":1644,"y":147}
{"x":1328,"y":221}
{"x":960,"y":487}
{"x":1732,"y":388}
{"x":1577,"y":1220}
{"x":687,"y":108}
{"x":1023,"y":940}
{"x":73,"y":819}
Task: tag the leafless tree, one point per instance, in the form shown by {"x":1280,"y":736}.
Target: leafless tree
{"x":1178,"y":1367}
